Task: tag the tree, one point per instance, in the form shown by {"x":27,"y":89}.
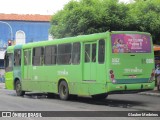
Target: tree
{"x":89,"y":16}
{"x":93,"y":16}
{"x":145,"y":15}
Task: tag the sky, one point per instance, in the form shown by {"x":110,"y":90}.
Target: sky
{"x":43,"y":7}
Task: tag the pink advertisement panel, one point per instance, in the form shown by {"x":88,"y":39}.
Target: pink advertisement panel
{"x":131,"y":43}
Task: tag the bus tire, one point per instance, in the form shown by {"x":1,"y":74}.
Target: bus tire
{"x":63,"y":90}
{"x":99,"y":96}
{"x":18,"y":89}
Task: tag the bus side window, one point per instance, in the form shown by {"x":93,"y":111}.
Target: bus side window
{"x":17,"y":57}
{"x":38,"y":56}
{"x":87,"y":53}
{"x":48,"y":55}
{"x":64,"y":54}
{"x":54,"y":54}
{"x":27,"y":57}
{"x":76,"y":53}
{"x":101,"y":51}
{"x":8,"y":62}
{"x":94,"y":52}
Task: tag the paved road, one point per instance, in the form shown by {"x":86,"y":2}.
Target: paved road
{"x":33,"y":102}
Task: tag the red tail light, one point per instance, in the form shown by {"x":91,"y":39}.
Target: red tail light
{"x":112,"y":76}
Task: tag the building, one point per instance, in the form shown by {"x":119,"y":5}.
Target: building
{"x":21,"y":29}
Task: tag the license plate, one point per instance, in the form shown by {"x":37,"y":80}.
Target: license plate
{"x":132,"y":76}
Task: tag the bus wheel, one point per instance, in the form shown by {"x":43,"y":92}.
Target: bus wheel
{"x":19,"y":89}
{"x":99,"y":97}
{"x":63,"y":91}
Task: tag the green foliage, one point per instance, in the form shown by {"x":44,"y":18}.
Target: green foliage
{"x":146,"y":17}
{"x":93,"y":16}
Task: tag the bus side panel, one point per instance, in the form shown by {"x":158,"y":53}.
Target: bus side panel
{"x":99,"y":86}
{"x":46,"y":77}
{"x":9,"y":81}
{"x":26,"y":82}
{"x":74,"y":78}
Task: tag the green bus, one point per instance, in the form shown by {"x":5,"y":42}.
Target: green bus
{"x":90,"y":65}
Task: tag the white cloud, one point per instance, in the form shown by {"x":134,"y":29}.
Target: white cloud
{"x":33,"y":6}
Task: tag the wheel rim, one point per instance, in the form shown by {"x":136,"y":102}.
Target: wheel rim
{"x":63,"y":91}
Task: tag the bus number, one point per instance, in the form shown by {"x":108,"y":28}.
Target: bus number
{"x":115,"y":61}
{"x":149,"y":61}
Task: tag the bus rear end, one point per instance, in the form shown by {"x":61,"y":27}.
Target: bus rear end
{"x":132,"y":62}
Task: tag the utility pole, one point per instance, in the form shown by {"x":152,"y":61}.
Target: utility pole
{"x":9,"y":27}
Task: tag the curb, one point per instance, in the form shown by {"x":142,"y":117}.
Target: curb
{"x":153,"y":93}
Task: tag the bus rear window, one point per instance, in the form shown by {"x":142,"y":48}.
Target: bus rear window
{"x":131,"y":43}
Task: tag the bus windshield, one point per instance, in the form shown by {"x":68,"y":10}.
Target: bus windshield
{"x":131,"y":43}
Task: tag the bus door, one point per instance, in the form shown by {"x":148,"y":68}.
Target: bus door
{"x":89,"y":68}
{"x":27,"y":64}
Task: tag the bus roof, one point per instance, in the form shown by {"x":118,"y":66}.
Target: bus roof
{"x":79,"y":38}
{"x":129,"y":32}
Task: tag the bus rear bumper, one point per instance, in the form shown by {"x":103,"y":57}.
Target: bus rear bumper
{"x":129,"y":88}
